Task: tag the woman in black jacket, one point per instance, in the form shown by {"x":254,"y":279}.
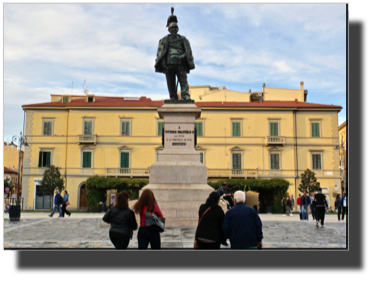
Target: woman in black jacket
{"x":123,"y":221}
{"x":209,"y":233}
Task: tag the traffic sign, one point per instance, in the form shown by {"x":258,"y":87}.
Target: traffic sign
{"x":7,"y":189}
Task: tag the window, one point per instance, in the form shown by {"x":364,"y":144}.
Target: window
{"x":86,"y":163}
{"x":47,"y":128}
{"x":160,"y":126}
{"x":273,"y":128}
{"x":125,"y":128}
{"x":236,"y":129}
{"x":124,"y":162}
{"x":315,"y":129}
{"x":199,"y":127}
{"x":274,"y":161}
{"x":90,"y":99}
{"x":236,"y":160}
{"x":65,"y":99}
{"x":44,"y":159}
{"x":87,"y":127}
{"x":317,"y":161}
{"x":201,"y":154}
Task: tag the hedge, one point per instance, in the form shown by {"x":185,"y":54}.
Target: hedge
{"x":270,"y":191}
{"x":97,"y":187}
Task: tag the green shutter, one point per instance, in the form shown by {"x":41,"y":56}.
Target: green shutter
{"x":87,"y":159}
{"x":199,"y":128}
{"x":40,"y":159}
{"x":124,"y":160}
{"x":201,"y":154}
{"x":88,"y":127}
{"x":47,"y":128}
{"x":275,"y":161}
{"x":65,"y":99}
{"x":274,"y":129}
{"x":317,"y":161}
{"x":236,"y":129}
{"x":236,"y":161}
{"x":47,"y":160}
{"x":160,"y":127}
{"x":125,"y":129}
{"x":315,"y":130}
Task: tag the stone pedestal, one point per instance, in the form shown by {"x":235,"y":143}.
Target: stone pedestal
{"x":178,"y":179}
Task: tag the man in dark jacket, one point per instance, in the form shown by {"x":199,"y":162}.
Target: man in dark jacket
{"x":242,"y":225}
{"x":344,"y":203}
{"x":305,"y":202}
{"x":223,"y":192}
{"x":57,"y":204}
{"x":320,"y":207}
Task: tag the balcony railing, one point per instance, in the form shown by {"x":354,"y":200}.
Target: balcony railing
{"x":90,"y":139}
{"x":244,"y":173}
{"x":130,"y":172}
{"x":275,"y":140}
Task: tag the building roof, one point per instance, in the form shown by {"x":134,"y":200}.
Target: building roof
{"x":342,"y":125}
{"x":10,"y":170}
{"x":147,"y":102}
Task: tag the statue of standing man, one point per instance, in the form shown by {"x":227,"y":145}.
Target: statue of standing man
{"x":175,"y":58}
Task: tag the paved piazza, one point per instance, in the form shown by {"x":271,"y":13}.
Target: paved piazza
{"x":37,"y":230}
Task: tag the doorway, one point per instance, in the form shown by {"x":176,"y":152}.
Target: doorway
{"x":83,"y":201}
{"x":44,"y":199}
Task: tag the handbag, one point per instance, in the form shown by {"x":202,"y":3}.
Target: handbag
{"x":153,"y":222}
{"x":195,"y":239}
{"x":67,"y":203}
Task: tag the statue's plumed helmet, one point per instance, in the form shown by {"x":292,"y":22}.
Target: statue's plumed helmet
{"x":173,"y":24}
{"x":172,"y":20}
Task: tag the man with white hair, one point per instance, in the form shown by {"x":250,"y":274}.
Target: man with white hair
{"x":242,"y":225}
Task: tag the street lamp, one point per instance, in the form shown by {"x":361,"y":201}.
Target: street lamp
{"x":19,"y":141}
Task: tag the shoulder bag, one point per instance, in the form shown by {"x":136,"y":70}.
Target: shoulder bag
{"x":152,"y":221}
{"x":195,"y":239}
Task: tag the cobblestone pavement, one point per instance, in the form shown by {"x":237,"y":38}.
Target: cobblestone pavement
{"x":87,"y":233}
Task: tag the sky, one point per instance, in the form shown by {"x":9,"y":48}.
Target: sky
{"x":55,"y":48}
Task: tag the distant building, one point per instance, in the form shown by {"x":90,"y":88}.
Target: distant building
{"x":343,"y":154}
{"x":271,"y":133}
{"x":12,"y":157}
{"x":12,"y":176}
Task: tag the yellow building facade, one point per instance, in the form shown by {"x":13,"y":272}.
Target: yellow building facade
{"x":266,"y":134}
{"x":343,"y":153}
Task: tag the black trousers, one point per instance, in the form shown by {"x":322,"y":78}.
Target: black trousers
{"x":312,"y":211}
{"x":64,"y":210}
{"x":320,"y":214}
{"x":119,"y":240}
{"x":339,"y":212}
{"x":344,"y":211}
{"x":146,"y":236}
{"x":204,"y":245}
{"x":229,"y":200}
{"x":283,"y":209}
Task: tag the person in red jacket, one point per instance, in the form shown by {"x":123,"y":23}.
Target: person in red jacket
{"x":299,"y":203}
{"x":145,"y":235}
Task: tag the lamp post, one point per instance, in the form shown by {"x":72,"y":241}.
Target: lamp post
{"x":19,"y":141}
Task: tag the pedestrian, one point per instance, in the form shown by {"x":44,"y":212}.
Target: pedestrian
{"x":223,"y":192}
{"x":291,"y":208}
{"x":209,"y":233}
{"x":338,"y":206}
{"x":312,"y":206}
{"x":344,"y":203}
{"x":299,"y":203}
{"x":65,"y":204}
{"x":288,"y":205}
{"x":283,"y":204}
{"x":320,"y":207}
{"x":242,"y":225}
{"x":145,"y":235}
{"x":305,"y":202}
{"x":122,"y":220}
{"x":57,"y":203}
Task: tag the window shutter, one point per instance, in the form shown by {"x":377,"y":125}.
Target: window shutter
{"x":128,"y":128}
{"x":160,"y":127}
{"x":45,"y":128}
{"x":275,"y":161}
{"x":274,"y":129}
{"x":315,"y":130}
{"x":123,"y":128}
{"x":49,"y":128}
{"x":236,"y":129}
{"x":87,"y":159}
{"x":201,"y":154}
{"x":199,"y":128}
{"x":317,"y":161}
{"x":40,"y":159}
{"x":90,"y":128}
{"x":65,"y":99}
{"x":85,"y":128}
{"x":47,"y":161}
{"x":236,"y":161}
{"x":124,"y":160}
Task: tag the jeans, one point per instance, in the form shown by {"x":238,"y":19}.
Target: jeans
{"x":146,"y":236}
{"x":304,"y":211}
{"x":56,"y":207}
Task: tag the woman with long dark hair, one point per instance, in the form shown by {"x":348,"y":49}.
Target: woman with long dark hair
{"x":209,"y":233}
{"x":123,"y":221}
{"x":145,"y":235}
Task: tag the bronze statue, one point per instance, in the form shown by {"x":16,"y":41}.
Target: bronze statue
{"x":175,"y":58}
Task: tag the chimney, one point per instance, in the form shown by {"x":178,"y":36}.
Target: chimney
{"x":143,"y":98}
{"x":302,"y":93}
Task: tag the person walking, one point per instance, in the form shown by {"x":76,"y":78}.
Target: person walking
{"x":288,"y":205}
{"x":57,"y":203}
{"x":344,"y":203}
{"x":224,"y":192}
{"x":312,"y":206}
{"x":242,"y":225}
{"x":283,"y":204}
{"x":65,"y":204}
{"x":122,"y":220}
{"x":209,"y":233}
{"x":299,"y":203}
{"x":338,"y":206}
{"x":305,"y":202}
{"x":320,"y":207}
{"x":291,"y":208}
{"x":145,"y":235}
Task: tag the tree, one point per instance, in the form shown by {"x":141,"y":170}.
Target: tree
{"x":52,"y":180}
{"x":8,"y":183}
{"x":308,"y":182}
